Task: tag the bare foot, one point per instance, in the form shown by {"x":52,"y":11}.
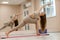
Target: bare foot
{"x":7,"y":34}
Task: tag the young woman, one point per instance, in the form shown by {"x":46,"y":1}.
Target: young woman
{"x":15,"y":20}
{"x":32,"y":18}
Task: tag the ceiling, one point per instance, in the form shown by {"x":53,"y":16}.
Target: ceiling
{"x":12,"y":2}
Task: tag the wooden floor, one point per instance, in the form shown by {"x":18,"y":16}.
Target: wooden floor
{"x":52,"y":36}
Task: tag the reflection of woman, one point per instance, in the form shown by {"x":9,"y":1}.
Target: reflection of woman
{"x":15,"y":20}
{"x":32,"y":18}
{"x":6,"y":25}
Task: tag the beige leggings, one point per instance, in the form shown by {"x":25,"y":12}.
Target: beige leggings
{"x":23,"y":22}
{"x":27,"y":20}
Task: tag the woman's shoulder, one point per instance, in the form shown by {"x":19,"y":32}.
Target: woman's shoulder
{"x":31,"y":14}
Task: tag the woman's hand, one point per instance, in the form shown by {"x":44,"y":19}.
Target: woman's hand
{"x":49,"y":4}
{"x":7,"y":34}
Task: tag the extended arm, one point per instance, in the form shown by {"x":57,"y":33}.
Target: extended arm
{"x":37,"y":27}
{"x":42,"y":7}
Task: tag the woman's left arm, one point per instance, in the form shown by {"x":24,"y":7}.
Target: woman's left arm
{"x":39,"y":9}
{"x":37,"y":26}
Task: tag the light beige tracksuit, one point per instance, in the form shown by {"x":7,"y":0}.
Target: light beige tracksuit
{"x":28,"y":19}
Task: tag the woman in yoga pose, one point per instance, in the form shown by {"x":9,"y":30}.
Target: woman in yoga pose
{"x":33,"y":18}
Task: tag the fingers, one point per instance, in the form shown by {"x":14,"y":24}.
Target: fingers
{"x":49,"y":3}
{"x":7,"y":34}
{"x":38,"y":34}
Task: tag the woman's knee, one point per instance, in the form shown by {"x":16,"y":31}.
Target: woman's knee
{"x":24,"y":22}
